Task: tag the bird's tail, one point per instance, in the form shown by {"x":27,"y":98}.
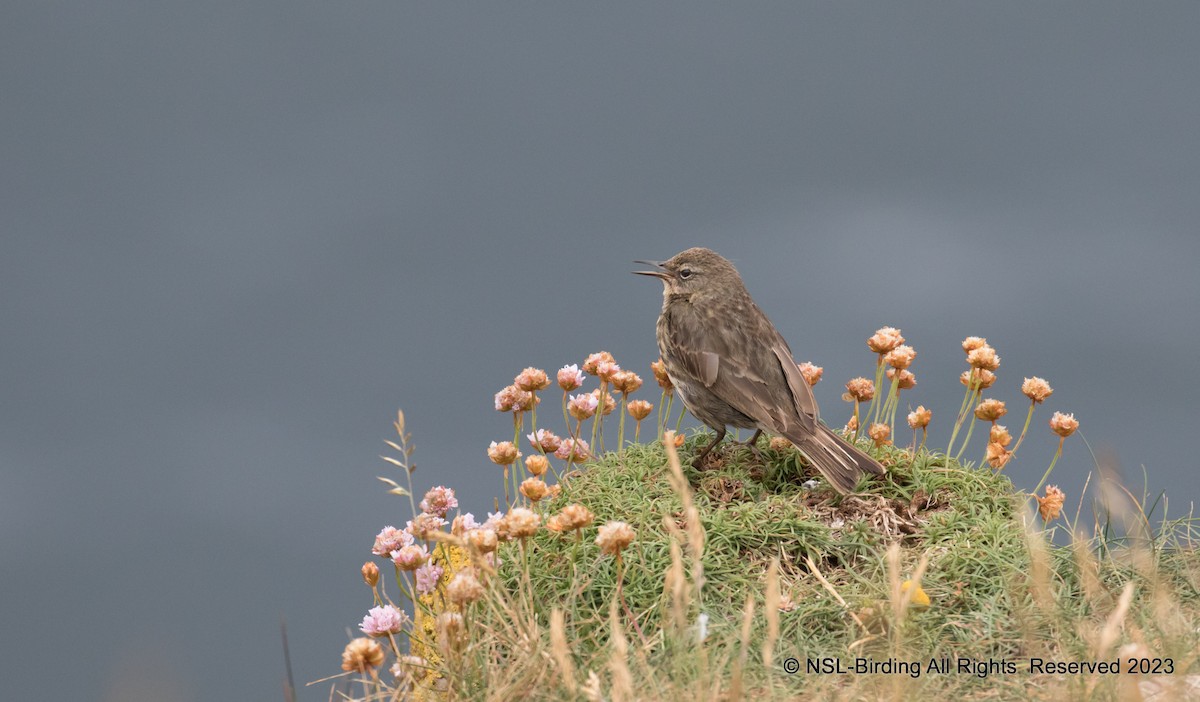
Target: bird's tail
{"x":841,"y":463}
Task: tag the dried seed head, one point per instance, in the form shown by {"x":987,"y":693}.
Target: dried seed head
{"x":997,"y":455}
{"x":786,"y":603}
{"x":370,"y":573}
{"x":503,"y":453}
{"x":421,"y":525}
{"x":660,"y":375}
{"x":852,"y":425}
{"x":880,"y":433}
{"x":900,"y":357}
{"x":465,"y":588}
{"x":521,"y":523}
{"x":614,"y":537}
{"x":990,"y":410}
{"x":576,"y":516}
{"x":534,"y":489}
{"x":812,"y":373}
{"x":609,"y":403}
{"x":532,"y":380}
{"x":451,"y":631}
{"x":973,"y":342}
{"x":537,"y":465}
{"x":639,"y":409}
{"x":607,"y":370}
{"x":544,"y":440}
{"x":626,"y":382}
{"x":361,"y":654}
{"x":1036,"y":389}
{"x":591,"y":366}
{"x":984,"y":357}
{"x":907,"y":379}
{"x":779,"y":443}
{"x":570,"y":377}
{"x":514,"y":399}
{"x":885,"y":339}
{"x":919,"y":418}
{"x":984,"y":378}
{"x":483,"y":540}
{"x":463,"y":523}
{"x":1050,"y":506}
{"x":1063,"y":424}
{"x":999,"y":435}
{"x":860,"y":389}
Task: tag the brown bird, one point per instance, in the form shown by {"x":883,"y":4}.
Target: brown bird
{"x":732,"y":367}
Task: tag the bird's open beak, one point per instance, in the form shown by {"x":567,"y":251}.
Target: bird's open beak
{"x":660,"y":273}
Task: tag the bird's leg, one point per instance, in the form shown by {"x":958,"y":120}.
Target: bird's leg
{"x":698,"y":461}
{"x":752,"y":444}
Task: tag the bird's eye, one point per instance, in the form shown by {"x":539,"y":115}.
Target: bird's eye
{"x":685,"y":273}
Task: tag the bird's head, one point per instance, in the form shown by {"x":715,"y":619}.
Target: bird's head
{"x":696,"y":272}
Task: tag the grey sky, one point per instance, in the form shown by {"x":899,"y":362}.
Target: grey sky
{"x":235,"y":237}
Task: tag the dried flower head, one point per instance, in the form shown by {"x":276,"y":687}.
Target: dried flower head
{"x":984,"y":378}
{"x":408,"y":669}
{"x":880,"y":433}
{"x":984,"y":357}
{"x":520,"y":523}
{"x":575,"y":516}
{"x":626,"y":382}
{"x":361,"y":654}
{"x":614,"y":537}
{"x":554,"y":490}
{"x":465,"y":588}
{"x":427,"y":577}
{"x":660,"y":375}
{"x":423,"y":524}
{"x":610,"y":404}
{"x":543,"y":440}
{"x":537,"y":464}
{"x":919,"y":418}
{"x":463,"y":523}
{"x":583,"y":406}
{"x":391,"y":539}
{"x":639,"y":409}
{"x":503,"y":453}
{"x":1063,"y":424}
{"x":532,"y":380}
{"x":999,"y":435}
{"x":812,"y":373}
{"x":990,"y":410}
{"x":900,"y":357}
{"x":860,"y":389}
{"x":906,"y":380}
{"x":439,"y":500}
{"x":534,"y":489}
{"x":383,"y":621}
{"x":1050,"y":506}
{"x":483,"y":540}
{"x":607,"y":370}
{"x":411,"y":557}
{"x":514,"y":399}
{"x":570,"y":377}
{"x":973,"y":342}
{"x":852,"y":425}
{"x":451,"y":631}
{"x":997,"y":455}
{"x":591,"y":366}
{"x":1036,"y":389}
{"x":786,"y":603}
{"x":885,"y":339}
{"x":779,"y":443}
{"x":370,"y":573}
{"x":573,"y":449}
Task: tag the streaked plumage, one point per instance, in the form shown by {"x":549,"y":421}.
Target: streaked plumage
{"x":732,"y":367}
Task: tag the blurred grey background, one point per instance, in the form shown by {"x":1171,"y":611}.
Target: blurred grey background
{"x":236,"y":237}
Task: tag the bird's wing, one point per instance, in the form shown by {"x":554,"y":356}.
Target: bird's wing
{"x":759,"y":379}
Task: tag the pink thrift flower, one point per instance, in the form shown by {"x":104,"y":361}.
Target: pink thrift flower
{"x":381,"y":621}
{"x":574,"y":449}
{"x":427,"y":578}
{"x":583,"y":406}
{"x":463,"y":523}
{"x":410,"y":557}
{"x":493,"y":521}
{"x":570,"y":377}
{"x":439,"y":501}
{"x":391,"y":539}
